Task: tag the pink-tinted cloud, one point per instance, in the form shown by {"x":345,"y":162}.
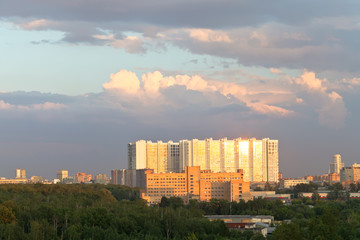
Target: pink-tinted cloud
{"x":4,"y":105}
{"x":208,"y":35}
{"x":38,"y":24}
{"x":40,"y":106}
{"x":123,"y":80}
{"x":309,"y":81}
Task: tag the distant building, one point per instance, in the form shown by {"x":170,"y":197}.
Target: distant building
{"x":36,"y":179}
{"x":319,"y":179}
{"x":69,"y":180}
{"x":259,"y":159}
{"x":290,"y":183}
{"x":118,"y":176}
{"x":194,"y":183}
{"x":61,"y":174}
{"x":336,"y":165}
{"x":256,"y":223}
{"x":82,"y":177}
{"x":137,"y":155}
{"x":13,"y":181}
{"x":20,"y":174}
{"x":141,"y":178}
{"x":271,"y":195}
{"x":334,"y":178}
{"x":350,"y":174}
{"x":101,"y":179}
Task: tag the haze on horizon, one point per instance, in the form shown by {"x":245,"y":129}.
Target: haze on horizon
{"x":79,"y":80}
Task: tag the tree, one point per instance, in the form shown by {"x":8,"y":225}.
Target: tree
{"x":163,"y":202}
{"x":315,"y":196}
{"x":287,"y":231}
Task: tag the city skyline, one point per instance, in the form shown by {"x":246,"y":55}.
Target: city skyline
{"x":79,"y":80}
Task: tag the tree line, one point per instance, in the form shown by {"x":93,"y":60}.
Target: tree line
{"x":82,"y":211}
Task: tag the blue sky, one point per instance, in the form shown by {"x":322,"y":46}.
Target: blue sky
{"x":79,"y":80}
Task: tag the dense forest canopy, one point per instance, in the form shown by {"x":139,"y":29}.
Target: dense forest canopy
{"x":82,"y":211}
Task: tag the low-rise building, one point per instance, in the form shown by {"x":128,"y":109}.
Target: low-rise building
{"x":271,"y":195}
{"x":258,"y":224}
{"x":290,"y":183}
{"x":194,"y":183}
{"x":13,"y":181}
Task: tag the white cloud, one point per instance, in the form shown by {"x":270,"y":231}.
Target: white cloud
{"x":309,"y":80}
{"x":124,"y":81}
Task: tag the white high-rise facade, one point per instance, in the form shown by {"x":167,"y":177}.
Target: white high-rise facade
{"x":336,"y":165}
{"x":137,"y":155}
{"x":259,"y":159}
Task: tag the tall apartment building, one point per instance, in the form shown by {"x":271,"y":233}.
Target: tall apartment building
{"x":336,"y":165}
{"x":194,"y":183}
{"x":61,"y":174}
{"x":350,"y":174}
{"x":259,"y":159}
{"x":173,"y":153}
{"x":118,"y":176}
{"x":137,"y":155}
{"x":101,"y":179}
{"x":20,"y":173}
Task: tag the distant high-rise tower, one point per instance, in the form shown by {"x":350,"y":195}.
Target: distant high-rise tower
{"x":20,"y":173}
{"x":336,"y":165}
{"x":61,"y":174}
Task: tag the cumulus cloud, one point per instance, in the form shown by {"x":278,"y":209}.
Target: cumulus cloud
{"x":309,"y":80}
{"x":124,"y":81}
{"x":153,"y":84}
{"x":272,"y":97}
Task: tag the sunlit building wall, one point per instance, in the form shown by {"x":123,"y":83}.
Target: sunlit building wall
{"x":336,"y":165}
{"x":272,"y":157}
{"x":20,"y":173}
{"x":151,"y":156}
{"x":256,"y":160}
{"x":137,"y":155}
{"x":61,"y":174}
{"x":244,"y":158}
{"x":213,"y":155}
{"x":228,"y":158}
{"x":259,"y":159}
{"x":162,"y":157}
{"x":199,"y":154}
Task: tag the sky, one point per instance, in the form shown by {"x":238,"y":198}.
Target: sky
{"x":80,"y":79}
